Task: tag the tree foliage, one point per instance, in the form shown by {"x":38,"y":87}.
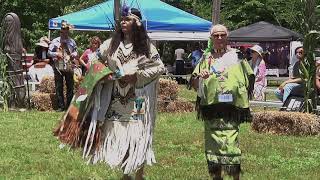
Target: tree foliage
{"x":308,"y":70}
{"x":34,"y":15}
{"x":310,"y":22}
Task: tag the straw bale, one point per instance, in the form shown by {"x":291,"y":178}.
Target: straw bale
{"x":47,"y":85}
{"x":178,"y":105}
{"x":168,"y":89}
{"x":286,"y":123}
{"x":44,"y":101}
{"x":162,"y":105}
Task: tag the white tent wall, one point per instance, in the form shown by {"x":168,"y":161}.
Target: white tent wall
{"x":179,"y":36}
{"x":174,"y":36}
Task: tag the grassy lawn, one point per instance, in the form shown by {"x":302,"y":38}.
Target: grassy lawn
{"x":29,"y":151}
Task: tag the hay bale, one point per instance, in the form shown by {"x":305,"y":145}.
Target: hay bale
{"x":286,"y":123}
{"x":168,"y":89}
{"x":178,"y":105}
{"x":47,"y":85}
{"x":162,"y":105}
{"x":44,"y":101}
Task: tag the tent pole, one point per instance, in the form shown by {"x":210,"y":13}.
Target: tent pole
{"x":117,"y":12}
{"x":49,"y":34}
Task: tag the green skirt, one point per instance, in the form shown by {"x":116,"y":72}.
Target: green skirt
{"x":221,"y":145}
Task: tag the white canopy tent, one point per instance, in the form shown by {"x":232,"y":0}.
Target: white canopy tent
{"x":179,"y":36}
{"x":162,"y":21}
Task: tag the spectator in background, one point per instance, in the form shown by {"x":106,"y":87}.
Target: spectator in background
{"x":284,"y":90}
{"x":243,"y":49}
{"x":41,"y":51}
{"x":84,"y":59}
{"x":63,"y":51}
{"x":196,"y":55}
{"x":41,"y":61}
{"x":179,"y":53}
{"x":258,"y":66}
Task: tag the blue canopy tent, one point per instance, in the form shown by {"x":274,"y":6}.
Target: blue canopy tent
{"x":162,"y":21}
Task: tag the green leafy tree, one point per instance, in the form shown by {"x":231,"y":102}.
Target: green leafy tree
{"x":310,"y":23}
{"x":34,"y":15}
{"x":5,"y":89}
{"x":308,"y":70}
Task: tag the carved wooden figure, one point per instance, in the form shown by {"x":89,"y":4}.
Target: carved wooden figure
{"x":12,"y":47}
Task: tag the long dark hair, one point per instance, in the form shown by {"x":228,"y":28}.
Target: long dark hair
{"x":139,"y":37}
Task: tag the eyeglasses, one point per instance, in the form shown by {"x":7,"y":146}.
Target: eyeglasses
{"x":217,"y":36}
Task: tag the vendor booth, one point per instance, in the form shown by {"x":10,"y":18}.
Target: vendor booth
{"x":277,"y":41}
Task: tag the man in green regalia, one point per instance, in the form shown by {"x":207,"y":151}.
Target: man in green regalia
{"x":223,"y":82}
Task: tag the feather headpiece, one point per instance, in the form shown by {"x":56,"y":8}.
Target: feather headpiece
{"x":134,"y":13}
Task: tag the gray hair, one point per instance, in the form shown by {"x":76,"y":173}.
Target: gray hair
{"x":219,"y":27}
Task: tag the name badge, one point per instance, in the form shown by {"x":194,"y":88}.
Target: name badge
{"x":225,"y":98}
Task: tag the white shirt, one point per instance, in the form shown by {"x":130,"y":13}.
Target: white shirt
{"x":179,"y":53}
{"x":37,"y":74}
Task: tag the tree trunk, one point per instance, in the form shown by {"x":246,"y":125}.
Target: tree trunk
{"x":216,"y":11}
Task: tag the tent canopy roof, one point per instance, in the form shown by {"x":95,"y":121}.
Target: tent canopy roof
{"x":263,"y":31}
{"x":157,"y":16}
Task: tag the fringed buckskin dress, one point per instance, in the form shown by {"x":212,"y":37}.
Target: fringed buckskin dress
{"x":112,"y":121}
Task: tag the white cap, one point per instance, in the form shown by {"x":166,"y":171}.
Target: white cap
{"x":257,"y":49}
{"x":42,"y":44}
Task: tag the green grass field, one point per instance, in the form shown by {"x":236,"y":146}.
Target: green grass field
{"x":29,"y":151}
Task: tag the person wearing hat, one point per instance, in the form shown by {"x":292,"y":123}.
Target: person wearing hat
{"x":63,"y":51}
{"x":41,"y":51}
{"x":294,"y":82}
{"x":41,"y":61}
{"x":258,"y":66}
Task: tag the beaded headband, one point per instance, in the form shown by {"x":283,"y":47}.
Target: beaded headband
{"x":126,"y":12}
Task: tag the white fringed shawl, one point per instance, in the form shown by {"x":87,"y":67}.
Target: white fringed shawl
{"x":124,"y":144}
{"x":134,"y":137}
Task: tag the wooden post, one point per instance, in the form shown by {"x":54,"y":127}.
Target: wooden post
{"x":49,"y":35}
{"x":216,"y":11}
{"x":117,"y":15}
